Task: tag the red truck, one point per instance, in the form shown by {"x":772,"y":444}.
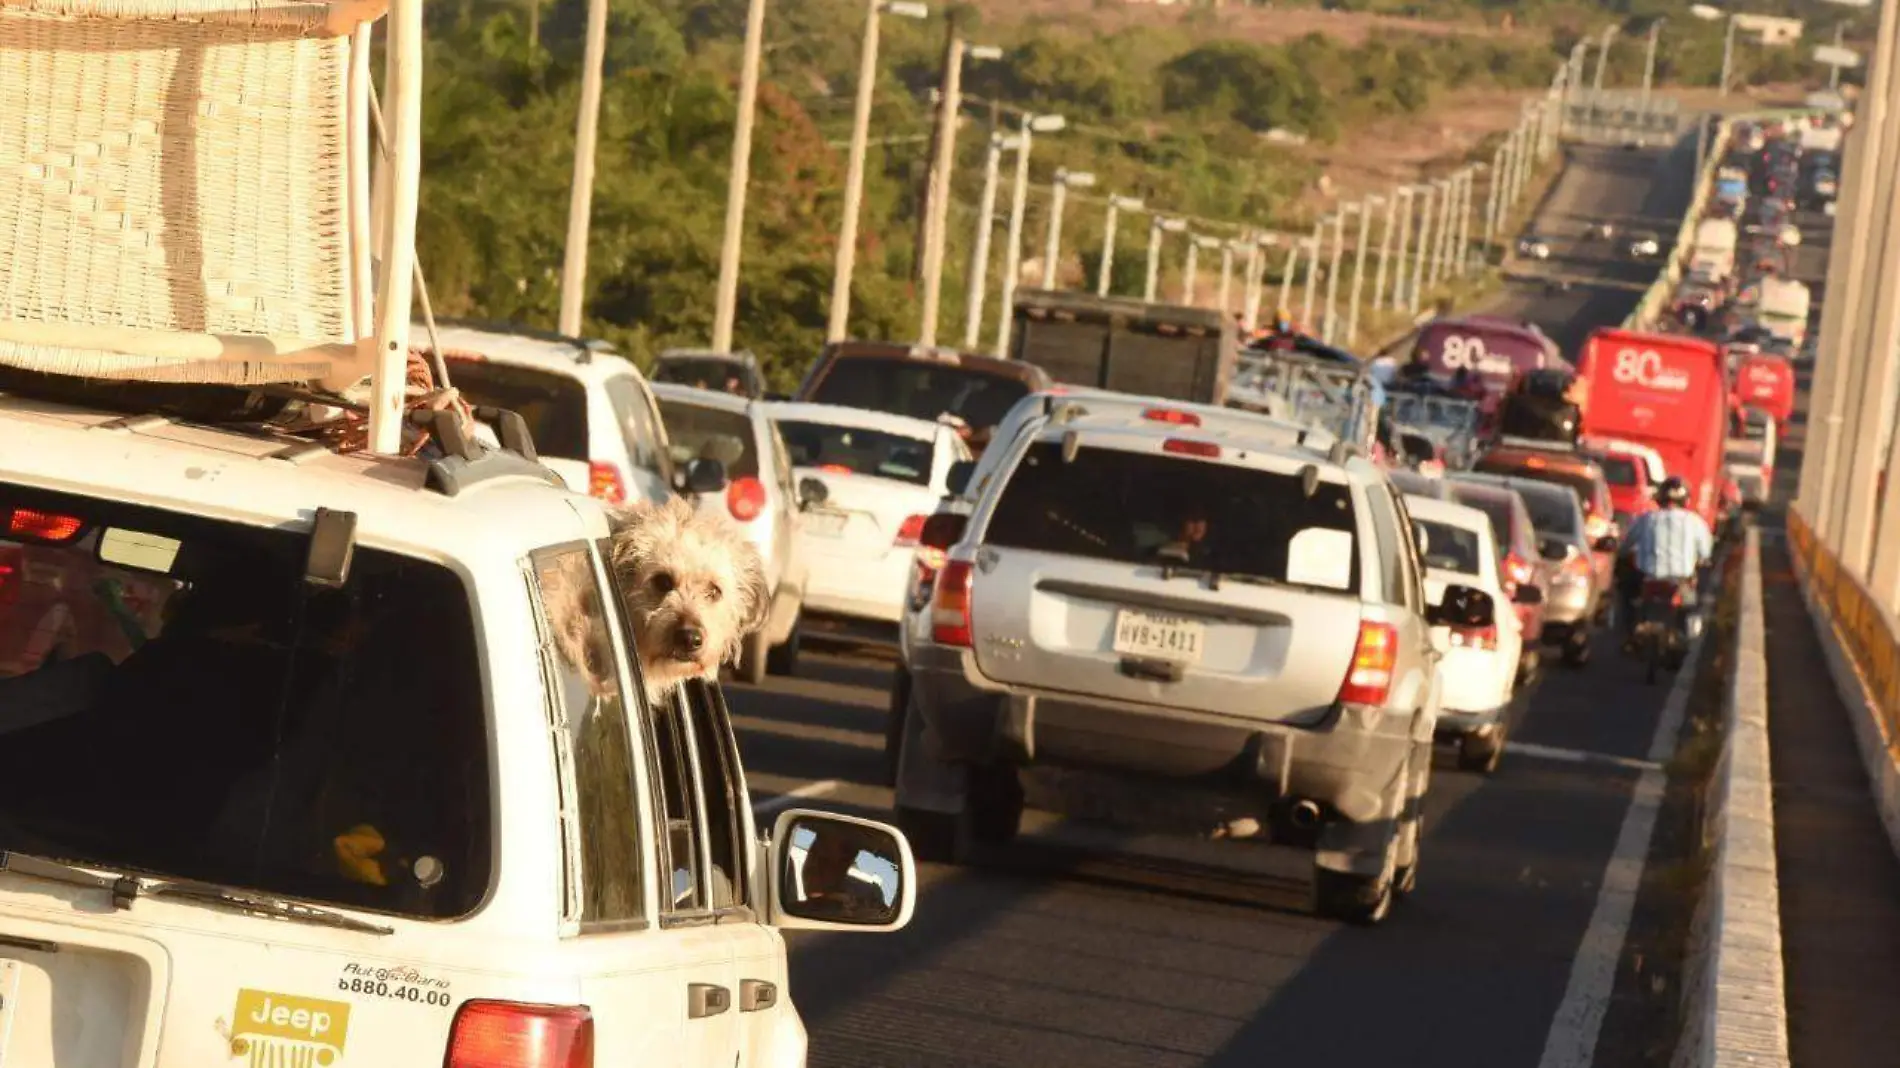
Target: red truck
{"x":1667,"y":391}
{"x":1765,"y":381}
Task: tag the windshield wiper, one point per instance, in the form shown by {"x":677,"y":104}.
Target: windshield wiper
{"x":126,"y":889}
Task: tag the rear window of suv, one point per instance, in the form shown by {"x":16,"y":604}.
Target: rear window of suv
{"x":1449,"y":548}
{"x":859,"y":451}
{"x":554,"y":406}
{"x":1126,"y":507}
{"x":697,"y":432}
{"x":176,"y":700}
{"x":921,"y":389}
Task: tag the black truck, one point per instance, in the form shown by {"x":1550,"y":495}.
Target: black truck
{"x":1129,"y":346}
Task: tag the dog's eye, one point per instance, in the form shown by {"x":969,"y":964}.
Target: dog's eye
{"x":713,"y":593}
{"x":662,"y":581}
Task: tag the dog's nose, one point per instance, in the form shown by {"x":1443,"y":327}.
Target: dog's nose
{"x":690,"y":638}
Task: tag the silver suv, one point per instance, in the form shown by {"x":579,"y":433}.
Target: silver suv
{"x":1205,"y":615}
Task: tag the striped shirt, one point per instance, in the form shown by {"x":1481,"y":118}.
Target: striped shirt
{"x":1669,"y":543}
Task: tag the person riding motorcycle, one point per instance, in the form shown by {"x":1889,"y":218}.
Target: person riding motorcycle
{"x":1669,"y":543}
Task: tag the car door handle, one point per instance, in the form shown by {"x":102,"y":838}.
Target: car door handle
{"x":706,"y":999}
{"x":756,"y":994}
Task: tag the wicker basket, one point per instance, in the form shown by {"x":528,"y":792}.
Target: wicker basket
{"x":177,"y":188}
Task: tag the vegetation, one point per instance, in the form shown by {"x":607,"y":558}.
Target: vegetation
{"x":1177,"y":114}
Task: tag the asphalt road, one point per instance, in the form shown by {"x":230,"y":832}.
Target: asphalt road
{"x":1049,"y":954}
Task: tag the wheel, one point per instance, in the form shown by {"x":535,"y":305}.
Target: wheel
{"x":1358,"y":899}
{"x":783,"y":658}
{"x":1407,"y":880}
{"x":995,"y":804}
{"x":1481,"y":755}
{"x":1577,"y":650}
{"x":894,"y":725}
{"x":752,"y":658}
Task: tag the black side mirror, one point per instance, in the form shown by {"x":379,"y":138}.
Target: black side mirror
{"x":702,"y":475}
{"x":1528,"y":594}
{"x":942,"y":530}
{"x":958,"y":478}
{"x":1554,"y":550}
{"x":1462,"y":606}
{"x":812,"y":493}
{"x":1605,"y":544}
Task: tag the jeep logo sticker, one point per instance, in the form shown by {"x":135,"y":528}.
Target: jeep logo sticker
{"x":283,"y":1029}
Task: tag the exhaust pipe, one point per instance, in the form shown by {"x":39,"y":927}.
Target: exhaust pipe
{"x":1305,"y":815}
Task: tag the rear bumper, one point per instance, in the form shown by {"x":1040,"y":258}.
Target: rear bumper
{"x":1341,"y":757}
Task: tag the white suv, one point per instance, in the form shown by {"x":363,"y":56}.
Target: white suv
{"x":343,"y":760}
{"x":588,"y":409}
{"x":1173,"y":606}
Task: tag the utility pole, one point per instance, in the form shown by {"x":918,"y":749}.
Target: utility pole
{"x":1332,"y":273}
{"x":1728,"y":55}
{"x":1059,"y":199}
{"x":1255,"y":274}
{"x":1649,"y":62}
{"x":1193,"y":267}
{"x":1286,"y":278}
{"x":1464,"y":220}
{"x":1359,"y":268}
{"x":1603,"y":54}
{"x":1157,"y":226}
{"x":738,"y":180}
{"x":580,"y":197}
{"x":1493,"y":188}
{"x":1426,"y":191}
{"x":1312,"y":272}
{"x":1105,"y":271}
{"x":1441,"y":239}
{"x":937,"y":205}
{"x":1405,"y":194}
{"x":1225,"y":299}
{"x":977,"y":284}
{"x":1385,"y":249}
{"x":1013,"y":254}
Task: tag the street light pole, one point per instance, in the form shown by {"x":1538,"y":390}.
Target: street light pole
{"x":1225,"y":299}
{"x":1441,"y":241}
{"x":1059,"y":199}
{"x":1385,"y":248}
{"x":1332,"y":273}
{"x":1286,"y":276}
{"x":1359,"y":268}
{"x":1013,"y":252}
{"x":1256,"y":275}
{"x":1193,"y":267}
{"x":1105,"y":270}
{"x":978,"y":283}
{"x":1649,"y":62}
{"x":1406,"y":195}
{"x":1157,"y":225}
{"x":738,"y":180}
{"x":840,"y":316}
{"x":1312,"y":272}
{"x":1492,"y":197}
{"x":580,"y":198}
{"x":937,"y":221}
{"x":1728,"y":55}
{"x":1426,"y":191}
{"x":1603,"y":54}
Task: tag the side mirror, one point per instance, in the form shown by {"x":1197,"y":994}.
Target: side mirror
{"x":702,"y":475}
{"x":1528,"y":594}
{"x":1554,"y":550}
{"x":1421,"y":537}
{"x":942,"y":530}
{"x":1605,"y":544}
{"x":1462,"y":606}
{"x":958,"y":478}
{"x":812,"y":493}
{"x":831,"y":872}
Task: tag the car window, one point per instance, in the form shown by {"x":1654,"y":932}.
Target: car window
{"x":782,"y":463}
{"x":554,"y":406}
{"x":1553,"y":512}
{"x":1110,"y":504}
{"x":1385,"y":532}
{"x":709,"y":372}
{"x":721,"y":790}
{"x":701,"y":793}
{"x":685,"y":889}
{"x":642,"y":433}
{"x":698,"y":432}
{"x":1496,"y":507}
{"x":1408,"y":546}
{"x":1451,"y":548}
{"x":326,"y":753}
{"x":1619,"y":470}
{"x":921,"y":389}
{"x":593,"y":712}
{"x":859,"y":451}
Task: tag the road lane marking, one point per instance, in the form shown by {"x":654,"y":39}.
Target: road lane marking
{"x":1579,"y":756}
{"x":808,"y":732}
{"x":1574,"y":1030}
{"x":785,"y":800}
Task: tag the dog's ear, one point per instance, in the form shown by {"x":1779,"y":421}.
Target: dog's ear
{"x":751,"y":571}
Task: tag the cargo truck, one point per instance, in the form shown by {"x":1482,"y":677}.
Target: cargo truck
{"x":1128,"y":346}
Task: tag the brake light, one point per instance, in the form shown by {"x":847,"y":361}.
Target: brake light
{"x":507,"y":1034}
{"x":1374,"y":656}
{"x":1536,"y":462}
{"x":745,"y":499}
{"x":950,"y":604}
{"x":603,"y":481}
{"x":1474,"y":637}
{"x":834,"y":469}
{"x":43,"y":526}
{"x":911,"y":529}
{"x":1171,"y":415}
{"x":1184,"y":447}
{"x":1517,"y":571}
{"x":1578,"y":566}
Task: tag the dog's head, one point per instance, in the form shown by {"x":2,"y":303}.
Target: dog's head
{"x":694,"y":587}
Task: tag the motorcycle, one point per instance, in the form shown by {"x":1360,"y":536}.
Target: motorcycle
{"x":1662,"y":624}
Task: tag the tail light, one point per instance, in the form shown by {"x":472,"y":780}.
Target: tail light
{"x":1518,"y":571}
{"x":834,"y":469}
{"x":1171,"y":415}
{"x":911,"y":529}
{"x":1595,"y":525}
{"x":1374,"y":656}
{"x":43,"y":526}
{"x":1184,"y":447}
{"x":745,"y":499}
{"x":950,"y":604}
{"x":604,"y":481}
{"x":506,"y":1034}
{"x":1579,"y":567}
{"x":1474,"y":637}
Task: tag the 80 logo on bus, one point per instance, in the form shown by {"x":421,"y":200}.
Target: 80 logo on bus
{"x":1645,"y":368}
{"x":1457,"y":351}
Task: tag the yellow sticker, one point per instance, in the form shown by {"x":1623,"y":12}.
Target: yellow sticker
{"x":284,"y":1029}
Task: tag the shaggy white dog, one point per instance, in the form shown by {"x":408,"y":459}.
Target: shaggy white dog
{"x":694,"y":587}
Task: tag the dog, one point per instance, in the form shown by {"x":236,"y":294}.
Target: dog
{"x":694,"y":588}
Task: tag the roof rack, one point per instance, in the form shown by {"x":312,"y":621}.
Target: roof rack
{"x":584,"y":348}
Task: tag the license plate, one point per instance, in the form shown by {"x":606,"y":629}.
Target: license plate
{"x":1159,"y":637}
{"x":825,"y":524}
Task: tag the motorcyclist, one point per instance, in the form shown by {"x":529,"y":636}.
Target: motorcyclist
{"x":1669,"y":543}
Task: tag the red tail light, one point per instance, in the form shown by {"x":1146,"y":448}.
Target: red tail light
{"x":1518,"y":571}
{"x":1184,"y":447}
{"x":1374,"y":656}
{"x":506,"y":1034}
{"x":1474,"y":637}
{"x":603,"y":481}
{"x":1171,"y":415}
{"x":950,"y":604}
{"x":910,"y":531}
{"x":745,"y":499}
{"x":834,"y":469}
{"x":43,"y":526}
{"x":1579,"y":566}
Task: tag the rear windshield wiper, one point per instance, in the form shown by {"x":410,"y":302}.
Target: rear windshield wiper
{"x":127,"y":888}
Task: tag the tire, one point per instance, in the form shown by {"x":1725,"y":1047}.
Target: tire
{"x":783,"y":658}
{"x":894,"y":725}
{"x":1364,"y":900}
{"x":752,"y":658}
{"x":1577,"y":650}
{"x":995,"y":804}
{"x":1405,"y":881}
{"x":1481,"y":755}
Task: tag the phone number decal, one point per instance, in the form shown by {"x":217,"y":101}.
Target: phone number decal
{"x":381,"y":988}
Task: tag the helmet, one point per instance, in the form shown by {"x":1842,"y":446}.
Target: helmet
{"x":1672,"y":491}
